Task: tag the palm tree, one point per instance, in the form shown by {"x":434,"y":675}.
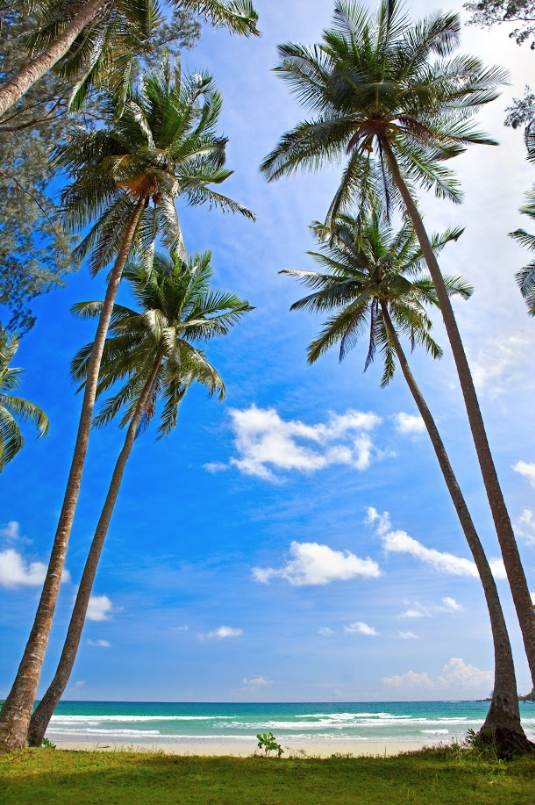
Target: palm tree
{"x":373,"y":283}
{"x":126,"y":176}
{"x":154,"y":351}
{"x":384,"y":93}
{"x":94,"y":35}
{"x":11,"y":439}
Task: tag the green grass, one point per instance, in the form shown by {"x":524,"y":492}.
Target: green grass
{"x":434,"y":777}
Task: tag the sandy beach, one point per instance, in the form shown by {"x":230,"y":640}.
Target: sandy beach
{"x":248,"y":748}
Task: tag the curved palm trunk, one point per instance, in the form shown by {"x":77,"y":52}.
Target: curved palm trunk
{"x":17,"y":86}
{"x":503,"y":718}
{"x":45,"y":709}
{"x":17,"y":710}
{"x":502,"y":521}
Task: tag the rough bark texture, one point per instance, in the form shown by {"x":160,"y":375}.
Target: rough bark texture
{"x":17,"y":86}
{"x":45,"y":709}
{"x":503,"y":717}
{"x":17,"y":710}
{"x":502,"y":522}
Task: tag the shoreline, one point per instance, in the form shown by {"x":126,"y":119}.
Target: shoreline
{"x":312,"y":749}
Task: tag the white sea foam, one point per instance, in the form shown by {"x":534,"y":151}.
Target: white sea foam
{"x":436,"y":732}
{"x":108,"y":733}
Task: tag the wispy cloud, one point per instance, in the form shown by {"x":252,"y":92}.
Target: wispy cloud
{"x":525,"y":527}
{"x":359,"y":627}
{"x":325,"y":631}
{"x":526,"y":469}
{"x":11,"y":532}
{"x":408,"y":424}
{"x":380,"y":521}
{"x":256,"y":682}
{"x":100,"y":608}
{"x":15,"y":571}
{"x":314,"y":564}
{"x":450,"y":605}
{"x":444,"y":562}
{"x":417,"y":610}
{"x":456,"y":675}
{"x":408,"y":635}
{"x":222,"y":633}
{"x":267,"y":444}
{"x":99,"y":643}
{"x":499,"y":363}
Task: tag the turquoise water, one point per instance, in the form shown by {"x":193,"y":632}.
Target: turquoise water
{"x":140,"y":722}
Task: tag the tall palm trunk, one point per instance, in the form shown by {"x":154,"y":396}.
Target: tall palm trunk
{"x":503,"y":718}
{"x":502,"y":522}
{"x":45,"y":709}
{"x":17,"y":86}
{"x":17,"y":710}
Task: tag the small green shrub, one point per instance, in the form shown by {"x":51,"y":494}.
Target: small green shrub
{"x":46,"y":744}
{"x":267,"y":742}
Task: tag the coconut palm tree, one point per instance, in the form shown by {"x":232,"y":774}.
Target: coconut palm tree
{"x":153,"y":353}
{"x":90,"y":37}
{"x":126,"y":176}
{"x":386,"y":95}
{"x":374,"y":285}
{"x":13,"y":408}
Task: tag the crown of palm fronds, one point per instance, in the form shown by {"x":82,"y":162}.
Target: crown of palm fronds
{"x":365,"y":265}
{"x":120,"y":33}
{"x":13,"y":408}
{"x":178,"y":309}
{"x":526,"y":276}
{"x":164,"y":145}
{"x":376,"y":82}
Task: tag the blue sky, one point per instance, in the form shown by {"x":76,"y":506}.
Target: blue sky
{"x":250,"y":558}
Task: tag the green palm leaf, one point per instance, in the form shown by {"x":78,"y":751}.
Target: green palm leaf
{"x":14,"y":409}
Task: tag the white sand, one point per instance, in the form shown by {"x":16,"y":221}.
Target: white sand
{"x":247,"y":748}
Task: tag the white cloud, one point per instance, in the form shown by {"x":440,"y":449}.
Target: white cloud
{"x":99,"y":643}
{"x":265,"y":442}
{"x":526,"y":469}
{"x":400,"y":542}
{"x":409,"y":680}
{"x":256,"y":682}
{"x":11,"y":531}
{"x":525,"y":527}
{"x":450,"y":605}
{"x":79,"y":684}
{"x":314,"y":564}
{"x":418,"y":610}
{"x":223,"y":632}
{"x":359,"y":627}
{"x":408,"y":635}
{"x":215,"y":466}
{"x":382,"y":521}
{"x":324,"y":631}
{"x":100,"y":608}
{"x":415,"y":612}
{"x":456,"y":675}
{"x":500,"y":363}
{"x":409,"y":424}
{"x":16,"y":572}
{"x":180,"y":628}
{"x":444,"y":562}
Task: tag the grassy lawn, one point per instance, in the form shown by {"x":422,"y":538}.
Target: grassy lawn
{"x":48,"y":777}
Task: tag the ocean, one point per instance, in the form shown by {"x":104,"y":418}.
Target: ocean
{"x":160,"y":723}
